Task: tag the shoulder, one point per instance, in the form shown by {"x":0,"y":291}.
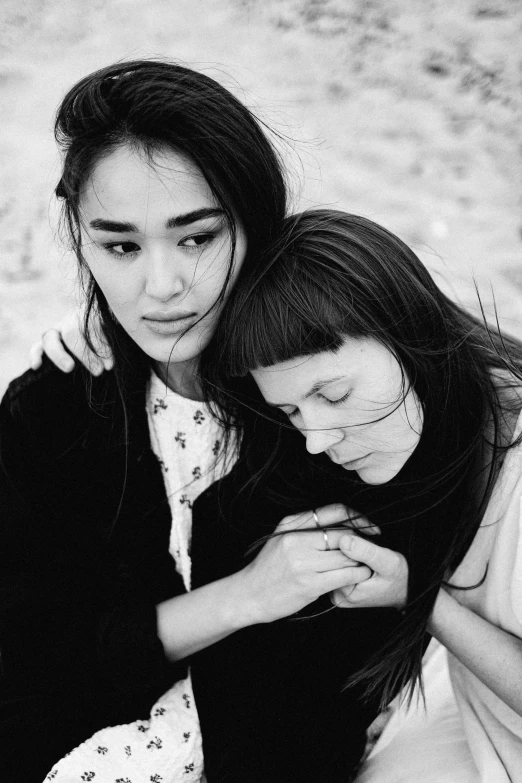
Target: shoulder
{"x":51,"y":406}
{"x":46,"y":391}
{"x":46,"y":382}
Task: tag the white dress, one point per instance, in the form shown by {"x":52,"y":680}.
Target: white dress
{"x":468,"y":734}
{"x":167,"y":747}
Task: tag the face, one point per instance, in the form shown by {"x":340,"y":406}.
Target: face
{"x":158,"y":245}
{"x":349,"y":404}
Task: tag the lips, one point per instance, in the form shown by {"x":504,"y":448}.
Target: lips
{"x":165,"y":322}
{"x":168,"y":315}
{"x":354,"y":463}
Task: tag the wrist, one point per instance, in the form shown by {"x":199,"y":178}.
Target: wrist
{"x":239,"y":606}
{"x":442,"y":605}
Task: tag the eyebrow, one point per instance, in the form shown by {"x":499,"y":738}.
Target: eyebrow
{"x":313,"y":390}
{"x":115,"y":226}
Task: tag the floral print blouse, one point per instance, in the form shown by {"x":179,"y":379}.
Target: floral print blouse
{"x":167,"y":747}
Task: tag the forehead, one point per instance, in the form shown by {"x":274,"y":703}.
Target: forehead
{"x":356,"y":358}
{"x":127,"y":183}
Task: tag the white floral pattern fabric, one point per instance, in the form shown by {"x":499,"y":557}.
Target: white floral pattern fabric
{"x":166,"y":748}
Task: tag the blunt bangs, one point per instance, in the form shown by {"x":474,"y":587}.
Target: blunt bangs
{"x":323,"y":283}
{"x":283,"y":320}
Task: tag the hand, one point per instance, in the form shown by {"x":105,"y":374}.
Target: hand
{"x":294,"y":567}
{"x":388,"y":585}
{"x":69,"y":333}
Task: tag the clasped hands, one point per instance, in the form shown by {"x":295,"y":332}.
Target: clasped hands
{"x":295,"y":566}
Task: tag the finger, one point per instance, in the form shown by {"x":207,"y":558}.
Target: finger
{"x":35,"y":355}
{"x":341,"y":598}
{"x":347,"y":518}
{"x":332,"y":536}
{"x":92,"y":362}
{"x":383,"y":561}
{"x":358,"y":522}
{"x":326,"y":515}
{"x":306,"y":520}
{"x":329,"y":515}
{"x":322,"y":540}
{"x":53,"y":347}
{"x":344,"y":577}
{"x":72,"y":336}
{"x":334,"y":560}
{"x":103,"y":351}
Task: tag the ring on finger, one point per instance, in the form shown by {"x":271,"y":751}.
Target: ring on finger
{"x":326,"y":541}
{"x":323,"y":531}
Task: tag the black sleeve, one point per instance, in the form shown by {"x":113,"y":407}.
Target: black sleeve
{"x":78,"y":642}
{"x":271,"y":698}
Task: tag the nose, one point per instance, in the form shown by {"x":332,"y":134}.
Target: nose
{"x":165,"y":275}
{"x":320,"y":439}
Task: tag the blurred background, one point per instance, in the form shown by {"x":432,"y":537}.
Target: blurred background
{"x":406,"y":111}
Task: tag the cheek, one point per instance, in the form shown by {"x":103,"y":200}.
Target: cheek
{"x":120,"y":290}
{"x":114,"y":293}
{"x":404,"y":429}
{"x":207,"y":289}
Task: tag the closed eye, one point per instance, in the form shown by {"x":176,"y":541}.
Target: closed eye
{"x":340,"y":400}
{"x":293,"y":413}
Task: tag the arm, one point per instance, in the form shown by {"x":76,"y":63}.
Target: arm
{"x":493,"y":655}
{"x":69,"y":586}
{"x":65,"y":597}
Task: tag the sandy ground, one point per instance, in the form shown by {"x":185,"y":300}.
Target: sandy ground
{"x":407,"y":111}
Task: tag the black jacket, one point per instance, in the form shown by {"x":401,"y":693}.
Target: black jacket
{"x":84,"y":536}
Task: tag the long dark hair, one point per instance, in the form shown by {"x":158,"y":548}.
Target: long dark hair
{"x":331,"y":276}
{"x":153,"y":105}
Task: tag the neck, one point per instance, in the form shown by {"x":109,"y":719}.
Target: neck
{"x":181,"y":377}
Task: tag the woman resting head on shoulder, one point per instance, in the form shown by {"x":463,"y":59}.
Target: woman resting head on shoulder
{"x":416,"y":401}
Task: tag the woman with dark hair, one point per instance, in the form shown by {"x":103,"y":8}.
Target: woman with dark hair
{"x":414,"y":406}
{"x":125,"y":537}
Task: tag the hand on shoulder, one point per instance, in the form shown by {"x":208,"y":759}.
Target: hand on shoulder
{"x":66,"y":341}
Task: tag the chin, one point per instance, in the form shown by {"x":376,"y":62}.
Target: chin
{"x":380,"y":474}
{"x":375,"y":477}
{"x":170,"y":353}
